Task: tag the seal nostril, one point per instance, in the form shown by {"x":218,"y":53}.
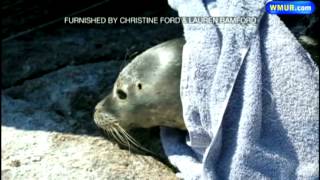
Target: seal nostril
{"x":121,"y":94}
{"x":140,"y":86}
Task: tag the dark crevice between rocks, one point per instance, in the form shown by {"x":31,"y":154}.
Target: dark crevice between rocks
{"x":34,"y":76}
{"x":40,"y":74}
{"x":26,"y":14}
{"x":107,"y":48}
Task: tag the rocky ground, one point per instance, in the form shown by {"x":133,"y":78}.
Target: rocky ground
{"x":53,"y":77}
{"x":36,"y":154}
{"x":48,"y":131}
{"x":51,"y":81}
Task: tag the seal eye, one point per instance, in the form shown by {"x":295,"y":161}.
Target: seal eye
{"x":121,"y":94}
{"x":140,"y":86}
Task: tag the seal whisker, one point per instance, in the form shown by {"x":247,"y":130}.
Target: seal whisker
{"x":120,"y":136}
{"x":123,"y":136}
{"x":116,"y":136}
{"x":129,"y":139}
{"x":106,"y":131}
{"x":133,"y":141}
{"x":113,"y":132}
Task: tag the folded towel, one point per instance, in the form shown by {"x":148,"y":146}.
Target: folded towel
{"x":250,"y":97}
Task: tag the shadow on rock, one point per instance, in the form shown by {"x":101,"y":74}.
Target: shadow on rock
{"x":61,"y":101}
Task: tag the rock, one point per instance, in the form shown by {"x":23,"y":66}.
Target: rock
{"x":307,"y":41}
{"x":66,"y":96}
{"x":52,"y":79}
{"x":28,"y":59}
{"x":305,"y":29}
{"x":51,"y":155}
{"x":48,"y":130}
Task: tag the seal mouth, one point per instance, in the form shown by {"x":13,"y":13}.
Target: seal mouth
{"x":104,"y":120}
{"x":112,"y":128}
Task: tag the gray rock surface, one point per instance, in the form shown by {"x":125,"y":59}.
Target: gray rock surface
{"x":50,"y":155}
{"x":48,"y":131}
{"x":43,"y":52}
{"x":51,"y":80}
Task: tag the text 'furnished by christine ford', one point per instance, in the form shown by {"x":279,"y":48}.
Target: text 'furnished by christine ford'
{"x":161,"y":20}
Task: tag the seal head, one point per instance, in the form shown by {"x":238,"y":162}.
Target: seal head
{"x":146,"y":92}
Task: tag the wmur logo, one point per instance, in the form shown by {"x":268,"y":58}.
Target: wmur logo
{"x":290,"y":7}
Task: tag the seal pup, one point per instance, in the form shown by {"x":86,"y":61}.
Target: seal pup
{"x":146,"y":93}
